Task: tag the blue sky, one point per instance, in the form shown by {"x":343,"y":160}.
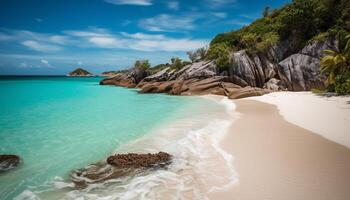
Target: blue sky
{"x":52,"y":37}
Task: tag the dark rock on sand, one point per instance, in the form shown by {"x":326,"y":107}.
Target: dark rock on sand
{"x":118,"y":166}
{"x":8,"y":162}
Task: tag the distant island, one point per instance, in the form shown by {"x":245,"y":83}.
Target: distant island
{"x":80,"y":72}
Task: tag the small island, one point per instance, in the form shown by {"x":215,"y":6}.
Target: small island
{"x":80,"y":73}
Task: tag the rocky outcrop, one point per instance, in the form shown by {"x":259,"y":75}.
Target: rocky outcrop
{"x":120,"y":79}
{"x":301,"y":71}
{"x":127,"y":79}
{"x":297,"y":72}
{"x":80,"y":72}
{"x":198,"y":78}
{"x":239,"y":93}
{"x":110,"y":73}
{"x":162,"y":75}
{"x":119,"y":165}
{"x":8,"y":162}
{"x":198,"y":70}
{"x":248,"y":74}
{"x":250,"y":70}
{"x":133,"y":160}
{"x":274,"y":85}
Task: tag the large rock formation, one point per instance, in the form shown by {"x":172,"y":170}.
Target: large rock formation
{"x":297,"y":72}
{"x":80,"y":72}
{"x":198,"y":78}
{"x":120,"y":79}
{"x":198,"y":70}
{"x":126,"y":79}
{"x":8,"y":162}
{"x":301,"y":71}
{"x":246,"y":75}
{"x":119,"y":165}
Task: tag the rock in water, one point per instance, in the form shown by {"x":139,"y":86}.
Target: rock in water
{"x":133,"y":160}
{"x":118,"y":166}
{"x":8,"y":162}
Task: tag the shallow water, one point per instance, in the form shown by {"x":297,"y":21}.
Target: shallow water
{"x":57,"y":124}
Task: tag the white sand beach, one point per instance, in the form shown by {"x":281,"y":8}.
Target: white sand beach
{"x":327,"y":116}
{"x":294,"y":148}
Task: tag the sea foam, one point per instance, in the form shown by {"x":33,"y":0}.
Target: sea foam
{"x":200,"y":166}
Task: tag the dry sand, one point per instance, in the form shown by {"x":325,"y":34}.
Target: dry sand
{"x":277,"y":160}
{"x":327,"y":116}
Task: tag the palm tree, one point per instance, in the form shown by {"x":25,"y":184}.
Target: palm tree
{"x":336,"y":62}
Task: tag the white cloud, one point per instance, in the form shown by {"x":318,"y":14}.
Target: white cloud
{"x":220,"y":3}
{"x":168,"y":23}
{"x":220,"y":14}
{"x":130,"y":2}
{"x":40,"y":47}
{"x":44,"y":62}
{"x":58,"y":39}
{"x":103,"y":39}
{"x":168,"y":44}
{"x":173,"y":5}
{"x":89,"y":33}
{"x":143,"y":36}
{"x":38,"y":20}
{"x":105,"y":42}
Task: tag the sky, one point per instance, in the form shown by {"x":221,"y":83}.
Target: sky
{"x":53,"y":37}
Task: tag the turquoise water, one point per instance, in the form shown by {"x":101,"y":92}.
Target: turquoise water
{"x":57,"y":124}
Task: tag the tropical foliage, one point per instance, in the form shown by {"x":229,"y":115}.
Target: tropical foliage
{"x":175,"y":64}
{"x":336,"y":65}
{"x":298,"y":22}
{"x":142,"y":64}
{"x":198,"y":54}
{"x":221,"y":54}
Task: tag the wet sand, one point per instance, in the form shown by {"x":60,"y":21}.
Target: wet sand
{"x":277,"y":160}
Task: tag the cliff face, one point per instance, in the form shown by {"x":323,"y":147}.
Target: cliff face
{"x":297,"y":72}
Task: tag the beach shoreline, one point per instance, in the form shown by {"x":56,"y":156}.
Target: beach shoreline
{"x":276,"y":159}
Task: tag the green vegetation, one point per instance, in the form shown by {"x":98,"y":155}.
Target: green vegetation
{"x":298,"y":22}
{"x":176,"y":64}
{"x":142,"y":64}
{"x":336,"y":65}
{"x":221,"y":54}
{"x":342,"y":84}
{"x":198,"y":54}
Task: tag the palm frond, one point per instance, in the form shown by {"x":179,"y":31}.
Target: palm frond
{"x":329,"y":52}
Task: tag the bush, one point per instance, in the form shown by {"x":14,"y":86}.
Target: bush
{"x":298,"y":22}
{"x":142,"y":64}
{"x":221,"y":54}
{"x":342,"y":84}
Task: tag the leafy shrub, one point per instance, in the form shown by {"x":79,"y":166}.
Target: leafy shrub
{"x":221,"y":54}
{"x":298,"y":22}
{"x":342,"y":84}
{"x":142,"y":64}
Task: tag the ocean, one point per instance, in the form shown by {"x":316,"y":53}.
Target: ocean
{"x":58,"y":124}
